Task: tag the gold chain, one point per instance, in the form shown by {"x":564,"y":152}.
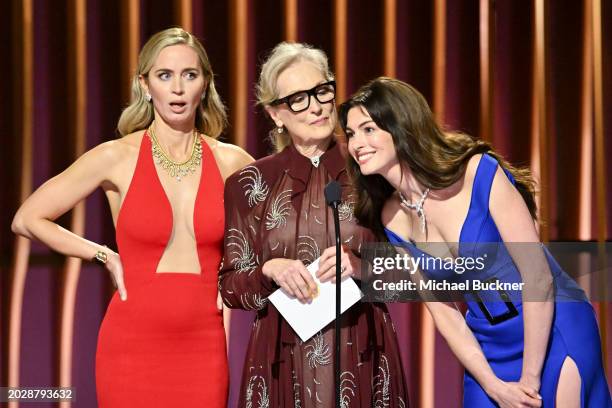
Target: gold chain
{"x":174,"y":169}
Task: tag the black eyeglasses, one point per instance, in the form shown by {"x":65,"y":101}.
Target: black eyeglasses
{"x":300,"y":101}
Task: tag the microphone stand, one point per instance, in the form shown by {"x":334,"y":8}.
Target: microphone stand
{"x":333,"y":193}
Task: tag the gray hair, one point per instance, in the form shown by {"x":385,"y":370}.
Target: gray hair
{"x":280,"y":58}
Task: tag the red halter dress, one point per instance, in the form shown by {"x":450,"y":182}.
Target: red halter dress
{"x":165,"y":345}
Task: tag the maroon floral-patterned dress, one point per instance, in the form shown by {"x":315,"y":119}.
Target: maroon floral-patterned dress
{"x":275,"y":208}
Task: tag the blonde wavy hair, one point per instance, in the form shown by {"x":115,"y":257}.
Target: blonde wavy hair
{"x":280,"y":58}
{"x":211,"y":117}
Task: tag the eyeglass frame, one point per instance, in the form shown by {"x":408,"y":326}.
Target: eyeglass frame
{"x":310,"y":93}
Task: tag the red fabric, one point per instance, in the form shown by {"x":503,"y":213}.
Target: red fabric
{"x":165,"y":345}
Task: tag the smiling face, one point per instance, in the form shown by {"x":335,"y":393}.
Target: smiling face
{"x":313,"y":125}
{"x":370,"y":146}
{"x":176,"y":85}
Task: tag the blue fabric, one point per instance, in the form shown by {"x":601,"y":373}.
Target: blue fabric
{"x":574,"y":332}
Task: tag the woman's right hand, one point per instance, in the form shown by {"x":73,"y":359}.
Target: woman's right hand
{"x":292,"y":276}
{"x":115,"y":267}
{"x":515,"y":395}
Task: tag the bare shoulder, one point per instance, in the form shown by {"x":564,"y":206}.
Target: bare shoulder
{"x":390,"y":210}
{"x":229,"y":157}
{"x":472,"y":166}
{"x":116,"y":159}
{"x":121,"y":148}
{"x":394,"y":218}
{"x":115,"y":152}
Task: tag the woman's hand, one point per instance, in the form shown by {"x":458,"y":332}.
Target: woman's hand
{"x":531,"y":382}
{"x":115,"y":267}
{"x":351,"y":265}
{"x":292,"y":276}
{"x":515,"y":395}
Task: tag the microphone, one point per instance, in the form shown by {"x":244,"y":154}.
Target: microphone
{"x":333,"y":194}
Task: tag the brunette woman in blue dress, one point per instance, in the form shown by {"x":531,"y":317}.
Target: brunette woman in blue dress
{"x":417,"y":183}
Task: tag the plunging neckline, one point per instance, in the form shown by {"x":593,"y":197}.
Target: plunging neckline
{"x":168,"y":204}
{"x":145,"y":144}
{"x":461,"y":231}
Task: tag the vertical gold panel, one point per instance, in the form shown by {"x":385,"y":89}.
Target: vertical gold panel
{"x":427,"y":360}
{"x":439,"y":59}
{"x":340,"y":30}
{"x":239,"y":42}
{"x":23,"y":29}
{"x":486,"y":69}
{"x":539,"y":125}
{"x":184,"y":14}
{"x":77,"y":29}
{"x":585,"y":190}
{"x":600,"y":159}
{"x":586,"y":134}
{"x":390,"y":46}
{"x":598,"y":111}
{"x":130,"y":44}
{"x":291,"y":21}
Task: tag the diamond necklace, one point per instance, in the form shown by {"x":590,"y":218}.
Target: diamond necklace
{"x":418,"y":207}
{"x":175,"y":169}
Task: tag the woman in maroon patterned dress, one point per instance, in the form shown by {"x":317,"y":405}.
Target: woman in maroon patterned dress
{"x":277,"y":222}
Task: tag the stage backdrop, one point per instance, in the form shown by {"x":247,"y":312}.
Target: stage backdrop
{"x":533,"y":77}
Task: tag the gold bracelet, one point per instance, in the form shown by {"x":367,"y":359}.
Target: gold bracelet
{"x":100,"y":257}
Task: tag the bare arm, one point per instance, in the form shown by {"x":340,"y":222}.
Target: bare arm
{"x":461,"y":340}
{"x":35,"y":218}
{"x":453,"y":327}
{"x":516,"y":226}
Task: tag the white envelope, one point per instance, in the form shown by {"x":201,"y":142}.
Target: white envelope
{"x":307,"y":319}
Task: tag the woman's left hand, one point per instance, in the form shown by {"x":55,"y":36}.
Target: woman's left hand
{"x":351,"y":265}
{"x":530,"y":382}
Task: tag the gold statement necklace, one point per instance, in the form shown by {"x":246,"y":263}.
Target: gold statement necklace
{"x":175,"y":169}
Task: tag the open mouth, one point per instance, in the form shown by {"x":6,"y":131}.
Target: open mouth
{"x":177,"y":106}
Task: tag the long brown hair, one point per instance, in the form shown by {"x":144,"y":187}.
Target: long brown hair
{"x":437,"y":159}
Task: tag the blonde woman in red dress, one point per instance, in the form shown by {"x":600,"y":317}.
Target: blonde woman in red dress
{"x":162,"y":341}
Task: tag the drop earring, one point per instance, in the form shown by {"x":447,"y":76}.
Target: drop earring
{"x":148,"y":97}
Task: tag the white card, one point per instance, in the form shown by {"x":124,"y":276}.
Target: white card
{"x":307,"y":319}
